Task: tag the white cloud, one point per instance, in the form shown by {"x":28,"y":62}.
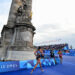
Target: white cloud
{"x":54,"y":19}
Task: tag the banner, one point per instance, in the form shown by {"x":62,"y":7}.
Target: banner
{"x":31,"y":63}
{"x":27,"y":64}
{"x":9,"y":66}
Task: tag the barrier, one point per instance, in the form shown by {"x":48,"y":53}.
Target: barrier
{"x":9,"y":66}
{"x":31,"y":63}
{"x":71,"y":52}
{"x":27,"y":64}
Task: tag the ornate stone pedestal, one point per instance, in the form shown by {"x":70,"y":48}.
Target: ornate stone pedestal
{"x":20,"y":45}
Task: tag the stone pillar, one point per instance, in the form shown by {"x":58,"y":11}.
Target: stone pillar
{"x":13,"y":10}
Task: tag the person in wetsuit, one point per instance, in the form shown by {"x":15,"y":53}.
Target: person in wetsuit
{"x":52,"y":55}
{"x":38,"y":55}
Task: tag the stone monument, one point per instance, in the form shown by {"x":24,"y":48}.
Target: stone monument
{"x":17,"y":35}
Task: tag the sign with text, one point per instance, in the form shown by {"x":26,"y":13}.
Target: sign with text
{"x":9,"y":66}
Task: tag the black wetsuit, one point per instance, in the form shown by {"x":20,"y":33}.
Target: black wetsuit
{"x":52,"y":55}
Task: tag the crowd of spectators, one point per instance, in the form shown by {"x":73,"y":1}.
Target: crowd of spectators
{"x":55,"y":47}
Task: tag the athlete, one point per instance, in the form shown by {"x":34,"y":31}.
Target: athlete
{"x":52,"y":55}
{"x":38,"y":55}
{"x":60,"y":55}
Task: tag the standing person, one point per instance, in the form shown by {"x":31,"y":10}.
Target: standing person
{"x":38,"y":55}
{"x":60,"y":55}
{"x":52,"y":55}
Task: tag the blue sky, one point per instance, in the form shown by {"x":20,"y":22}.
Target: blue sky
{"x":53,"y":19}
{"x":4,"y":1}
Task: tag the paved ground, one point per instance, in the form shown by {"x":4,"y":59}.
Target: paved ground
{"x":67,"y":68}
